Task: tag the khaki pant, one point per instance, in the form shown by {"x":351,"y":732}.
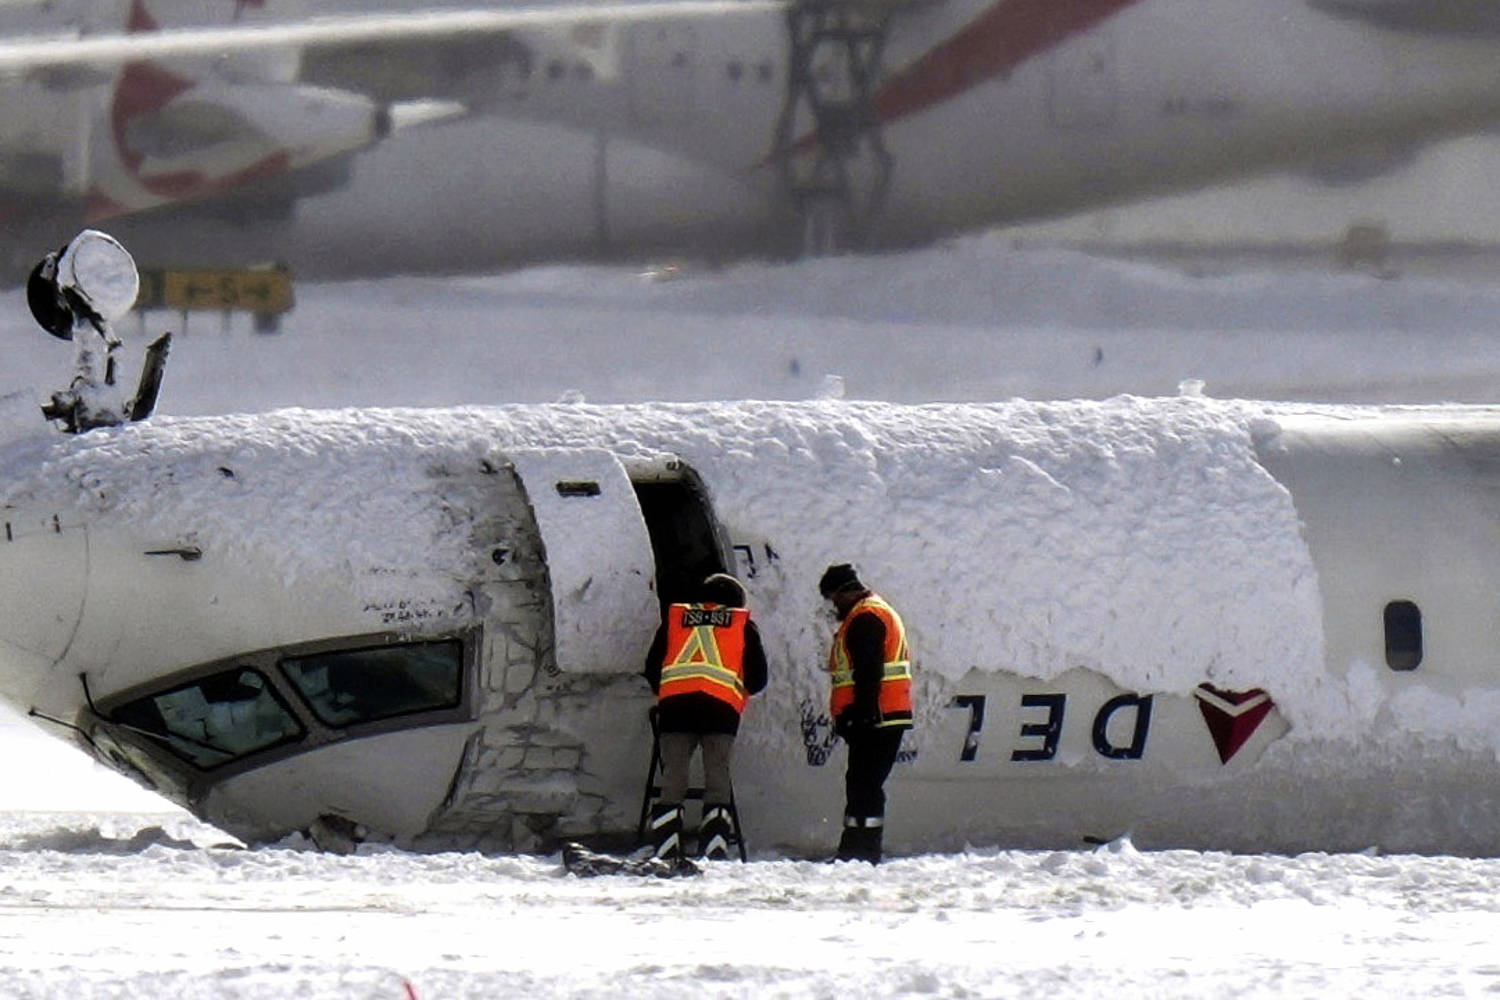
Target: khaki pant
{"x":677,"y":753}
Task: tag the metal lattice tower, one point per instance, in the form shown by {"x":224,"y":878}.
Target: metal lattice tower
{"x":835,"y":169}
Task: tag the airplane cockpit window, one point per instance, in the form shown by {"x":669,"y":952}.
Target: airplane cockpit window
{"x":214,"y":719}
{"x":352,"y":686}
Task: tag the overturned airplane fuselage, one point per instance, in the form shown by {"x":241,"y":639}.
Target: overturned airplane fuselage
{"x":1208,"y":624}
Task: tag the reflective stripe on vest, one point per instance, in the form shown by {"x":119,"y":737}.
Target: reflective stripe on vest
{"x":705,"y":653}
{"x":895,"y":680}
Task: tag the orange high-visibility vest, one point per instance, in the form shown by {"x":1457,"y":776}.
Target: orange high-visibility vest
{"x":895,"y":680}
{"x":705,"y":653}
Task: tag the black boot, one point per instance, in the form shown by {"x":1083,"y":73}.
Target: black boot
{"x":715,"y":833}
{"x":861,"y":839}
{"x":665,"y":830}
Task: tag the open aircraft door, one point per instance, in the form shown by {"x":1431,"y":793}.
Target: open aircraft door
{"x":599,"y":558}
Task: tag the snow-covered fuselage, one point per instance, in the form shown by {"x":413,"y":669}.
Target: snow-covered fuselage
{"x":1211,"y":624}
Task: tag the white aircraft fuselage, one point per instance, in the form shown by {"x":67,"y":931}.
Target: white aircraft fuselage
{"x":1218,"y":625}
{"x":689,"y":129}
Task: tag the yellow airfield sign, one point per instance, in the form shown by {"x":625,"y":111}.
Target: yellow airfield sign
{"x":266,"y":291}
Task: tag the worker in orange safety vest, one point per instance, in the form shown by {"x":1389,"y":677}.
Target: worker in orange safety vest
{"x":705,"y":663}
{"x":870,"y":702}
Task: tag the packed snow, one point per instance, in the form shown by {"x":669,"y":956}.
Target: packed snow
{"x":110,"y":908}
{"x":107,"y":892}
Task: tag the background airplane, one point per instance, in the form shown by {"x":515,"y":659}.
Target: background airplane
{"x":251,"y":131}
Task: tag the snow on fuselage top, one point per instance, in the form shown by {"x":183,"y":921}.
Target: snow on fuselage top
{"x":1137,"y":538}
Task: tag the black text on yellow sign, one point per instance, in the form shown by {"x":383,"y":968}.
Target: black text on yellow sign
{"x":265,"y":291}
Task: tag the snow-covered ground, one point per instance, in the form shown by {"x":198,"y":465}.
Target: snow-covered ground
{"x":97,"y":899}
{"x":154,"y":914}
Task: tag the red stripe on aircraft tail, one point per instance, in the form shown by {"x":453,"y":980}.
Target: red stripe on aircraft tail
{"x":143,"y":87}
{"x":99,"y":206}
{"x":184,"y":184}
{"x":1001,"y":38}
{"x":140,"y":18}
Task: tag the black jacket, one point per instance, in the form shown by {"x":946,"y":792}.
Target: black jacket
{"x":864,"y":640}
{"x":703,"y":713}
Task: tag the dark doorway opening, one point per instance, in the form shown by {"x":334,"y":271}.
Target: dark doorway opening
{"x":686,"y":539}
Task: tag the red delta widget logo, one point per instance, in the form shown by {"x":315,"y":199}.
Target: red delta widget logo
{"x":1231,"y":717}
